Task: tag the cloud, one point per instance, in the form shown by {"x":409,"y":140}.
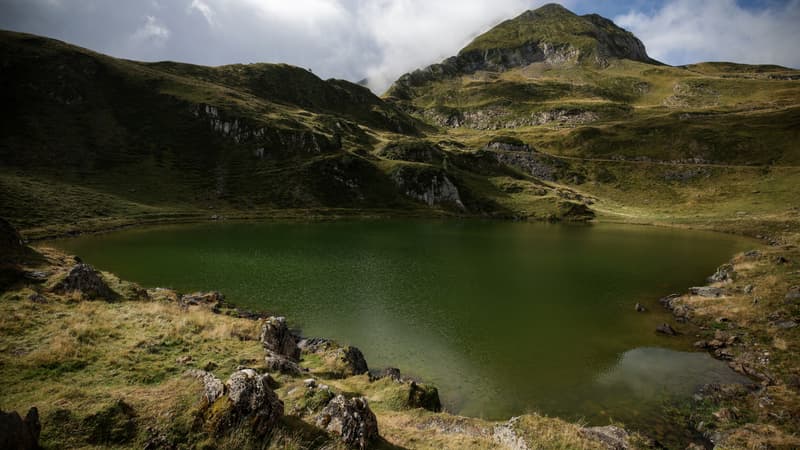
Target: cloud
{"x":203,"y":8}
{"x":688,"y":31}
{"x":152,"y":32}
{"x":382,"y":39}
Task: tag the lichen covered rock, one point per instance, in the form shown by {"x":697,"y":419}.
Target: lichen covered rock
{"x":276,"y":338}
{"x":89,"y":282}
{"x":351,"y":420}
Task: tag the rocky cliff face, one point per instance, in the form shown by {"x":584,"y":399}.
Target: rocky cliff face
{"x":550,"y":34}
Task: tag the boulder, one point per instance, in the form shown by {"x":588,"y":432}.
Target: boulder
{"x":423,"y":396}
{"x":706,"y":291}
{"x":639,"y":308}
{"x":253,"y":399}
{"x":276,"y":338}
{"x":666,"y":329}
{"x":20,"y":434}
{"x":280,"y":363}
{"x":85,"y":279}
{"x":342,"y":360}
{"x":613,"y":438}
{"x":355,"y":360}
{"x":213,"y":387}
{"x":724,"y":274}
{"x":351,"y":420}
{"x":392,"y":373}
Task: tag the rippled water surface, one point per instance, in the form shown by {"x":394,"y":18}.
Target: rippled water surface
{"x":504,"y":317}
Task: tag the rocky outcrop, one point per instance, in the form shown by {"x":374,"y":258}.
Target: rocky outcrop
{"x":342,"y":361}
{"x":415,"y":151}
{"x":248,"y":400}
{"x":280,"y":345}
{"x":17,"y":433}
{"x":276,"y":337}
{"x":266,"y":141}
{"x":724,"y":274}
{"x":706,"y":291}
{"x":351,"y":420}
{"x":89,"y":282}
{"x":501,"y":117}
{"x":531,"y":162}
{"x":424,"y":396}
{"x":252,"y":398}
{"x":212,"y":300}
{"x":431,"y":186}
{"x":213,"y":388}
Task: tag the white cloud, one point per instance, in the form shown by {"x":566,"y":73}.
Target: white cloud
{"x":203,"y":8}
{"x":414,"y":33}
{"x":152,"y":32}
{"x":688,"y":31}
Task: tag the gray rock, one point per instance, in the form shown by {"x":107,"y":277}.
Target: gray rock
{"x":639,"y":308}
{"x":17,"y":433}
{"x":706,"y":291}
{"x":212,"y":386}
{"x":666,"y":329}
{"x":280,"y":363}
{"x":613,"y":438}
{"x":276,"y":338}
{"x":351,"y":420}
{"x":793,"y":295}
{"x":85,"y":279}
{"x":252,"y":399}
{"x":724,"y":273}
{"x":786,"y":324}
{"x":749,"y":289}
{"x":355,"y":360}
{"x":392,"y":373}
{"x":212,"y":299}
{"x":427,"y":185}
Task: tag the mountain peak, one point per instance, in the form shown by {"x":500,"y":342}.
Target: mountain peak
{"x":577,"y":38}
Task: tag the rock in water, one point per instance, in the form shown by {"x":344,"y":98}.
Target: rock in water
{"x":252,"y":398}
{"x":17,"y":433}
{"x":666,"y":329}
{"x":351,"y":420}
{"x":88,"y":281}
{"x":276,"y":337}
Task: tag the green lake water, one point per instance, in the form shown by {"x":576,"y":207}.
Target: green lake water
{"x":504,"y":318}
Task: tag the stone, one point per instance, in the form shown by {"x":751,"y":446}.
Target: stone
{"x":212,"y":386}
{"x":183,"y":360}
{"x":276,"y":338}
{"x":613,"y":438}
{"x":786,"y":324}
{"x":280,"y":363}
{"x":724,"y":274}
{"x":666,"y":329}
{"x":20,"y":434}
{"x":211,"y":299}
{"x":392,"y":373}
{"x":706,"y":291}
{"x":423,"y":396}
{"x":252,"y":399}
{"x":355,"y":360}
{"x":310,"y":383}
{"x":749,"y":289}
{"x":351,"y":420}
{"x":639,"y":308}
{"x":793,"y":296}
{"x":752,"y":254}
{"x":85,"y":279}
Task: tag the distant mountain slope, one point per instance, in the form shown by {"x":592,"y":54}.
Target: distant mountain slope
{"x":549,"y":115}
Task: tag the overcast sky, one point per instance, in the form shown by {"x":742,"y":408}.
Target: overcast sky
{"x":382,"y":39}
